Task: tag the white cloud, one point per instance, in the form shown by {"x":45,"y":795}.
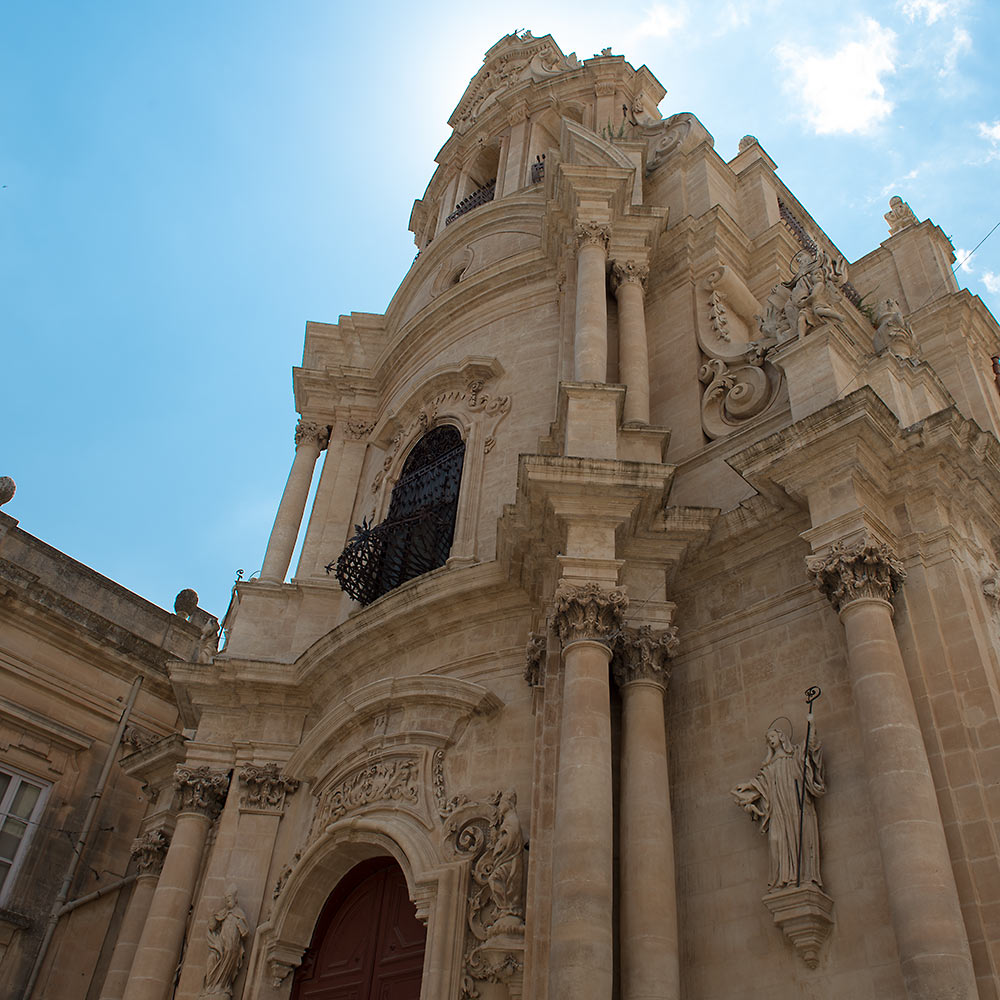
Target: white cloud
{"x":662,"y":20}
{"x":992,"y":282}
{"x":930,"y":11}
{"x":991,"y":133}
{"x":843,"y":91}
{"x":961,"y":42}
{"x":894,"y":185}
{"x":962,"y":256}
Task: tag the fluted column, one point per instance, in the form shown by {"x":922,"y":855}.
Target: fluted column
{"x":860,"y":581}
{"x":650,"y":968}
{"x":591,"y":341}
{"x":310,"y":440}
{"x":582,"y":944}
{"x":629,"y":282}
{"x":148,"y":852}
{"x":201,"y":792}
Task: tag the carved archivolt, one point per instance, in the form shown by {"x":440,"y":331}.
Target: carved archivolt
{"x":849,"y":573}
{"x":390,"y":780}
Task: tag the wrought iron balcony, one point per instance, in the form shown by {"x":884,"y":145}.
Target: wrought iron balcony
{"x":474,"y":200}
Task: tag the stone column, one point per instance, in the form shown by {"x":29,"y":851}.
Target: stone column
{"x":650,"y":968}
{"x":148,"y":852}
{"x":629,"y":281}
{"x":933,"y":946}
{"x":590,"y":349}
{"x":310,"y":440}
{"x":202,"y":793}
{"x":582,"y":950}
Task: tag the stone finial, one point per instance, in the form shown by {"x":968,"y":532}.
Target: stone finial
{"x":588,"y":612}
{"x":149,"y":850}
{"x":641,"y":654}
{"x":628,"y":273}
{"x":747,"y":141}
{"x":592,"y":234}
{"x":265,"y":787}
{"x":900,"y":216}
{"x":534,"y":670}
{"x":200,"y":789}
{"x":850,"y":572}
{"x":186,"y":603}
{"x":7,"y":489}
{"x":309,"y":432}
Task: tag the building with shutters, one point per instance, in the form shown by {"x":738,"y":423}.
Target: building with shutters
{"x":633,"y":473}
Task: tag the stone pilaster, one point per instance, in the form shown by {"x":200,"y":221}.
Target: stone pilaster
{"x":629,"y":282}
{"x":860,"y":581}
{"x":591,"y":339}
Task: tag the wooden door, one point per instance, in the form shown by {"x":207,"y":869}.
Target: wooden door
{"x":368,"y":943}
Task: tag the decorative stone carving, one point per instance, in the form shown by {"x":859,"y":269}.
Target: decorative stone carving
{"x":208,"y":640}
{"x":588,"y":612}
{"x":392,"y":780}
{"x":534,"y":670}
{"x":805,"y":916}
{"x":7,"y":489}
{"x":149,"y":850}
{"x":227,"y":930}
{"x":308,"y":431}
{"x":135,"y":738}
{"x":892,"y":332}
{"x":747,"y":141}
{"x":490,"y":836}
{"x":639,"y":113}
{"x":200,"y":789}
{"x":358,"y":430}
{"x":669,"y":135}
{"x":445,"y":806}
{"x":284,"y":874}
{"x":804,"y":302}
{"x":628,"y":273}
{"x":592,"y":234}
{"x":642,"y":654}
{"x":265,"y":788}
{"x":773,"y":798}
{"x":186,"y":603}
{"x":991,"y":588}
{"x":850,"y":572}
{"x":899,"y":216}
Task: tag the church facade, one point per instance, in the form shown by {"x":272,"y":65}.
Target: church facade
{"x":645,"y":637}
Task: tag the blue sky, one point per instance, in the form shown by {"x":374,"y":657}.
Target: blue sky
{"x":182,"y":186}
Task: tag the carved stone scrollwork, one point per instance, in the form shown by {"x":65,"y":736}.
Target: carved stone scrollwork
{"x":490,"y":835}
{"x":534,"y":670}
{"x":850,"y":572}
{"x":642,"y":654}
{"x":309,"y":432}
{"x":588,"y":612}
{"x":149,"y":850}
{"x":628,"y":273}
{"x":669,"y":135}
{"x":592,"y":234}
{"x":394,"y":780}
{"x":200,"y":789}
{"x":265,"y":788}
{"x":135,"y":738}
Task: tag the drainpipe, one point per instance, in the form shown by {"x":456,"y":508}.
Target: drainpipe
{"x":58,"y":907}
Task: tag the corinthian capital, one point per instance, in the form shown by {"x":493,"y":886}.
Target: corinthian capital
{"x":628,"y":273}
{"x":149,"y":850}
{"x":200,"y":789}
{"x":588,"y":612}
{"x":265,"y":787}
{"x":850,"y":572}
{"x":309,"y":432}
{"x":641,"y":654}
{"x":592,"y":234}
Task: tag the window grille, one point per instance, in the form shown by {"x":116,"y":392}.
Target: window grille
{"x":474,"y":200}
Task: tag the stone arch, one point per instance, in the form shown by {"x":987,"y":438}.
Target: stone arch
{"x":435,"y":884}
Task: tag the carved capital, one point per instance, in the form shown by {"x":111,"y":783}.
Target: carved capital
{"x":149,"y":850}
{"x":629,"y":273}
{"x":200,"y":789}
{"x":534,"y":670}
{"x":604,"y":88}
{"x":592,"y":234}
{"x":358,"y":430}
{"x":850,"y":572}
{"x":642,"y":654}
{"x":309,"y":432}
{"x":588,"y":612}
{"x":265,"y":787}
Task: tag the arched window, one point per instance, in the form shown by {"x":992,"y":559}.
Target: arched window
{"x":416,"y":535}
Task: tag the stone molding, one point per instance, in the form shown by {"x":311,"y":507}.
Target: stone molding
{"x":629,"y":273}
{"x":805,"y":916}
{"x":534,"y":670}
{"x":592,"y":234}
{"x":309,"y":432}
{"x":148,"y":852}
{"x":265,"y":788}
{"x":201,"y":790}
{"x":848,"y":573}
{"x":642,"y":654}
{"x":588,"y":612}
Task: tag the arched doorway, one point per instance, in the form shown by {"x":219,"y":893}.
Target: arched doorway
{"x":368,"y":943}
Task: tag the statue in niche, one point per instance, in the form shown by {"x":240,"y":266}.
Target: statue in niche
{"x":227,"y":929}
{"x":773,"y":798}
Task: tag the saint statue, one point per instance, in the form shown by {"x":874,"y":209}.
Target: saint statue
{"x":507,"y":859}
{"x":227,"y":928}
{"x":775,"y":797}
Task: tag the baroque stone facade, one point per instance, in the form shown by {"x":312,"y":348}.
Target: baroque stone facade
{"x":626,"y":467}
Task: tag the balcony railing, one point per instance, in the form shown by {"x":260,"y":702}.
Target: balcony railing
{"x":474,"y":200}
